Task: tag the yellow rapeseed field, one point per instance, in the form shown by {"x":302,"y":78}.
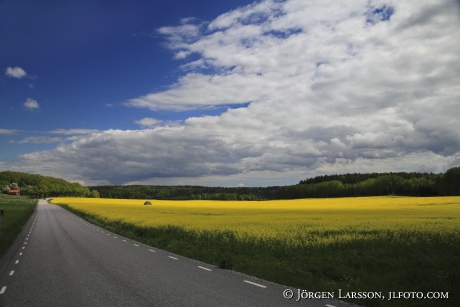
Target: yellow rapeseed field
{"x":295,"y":222}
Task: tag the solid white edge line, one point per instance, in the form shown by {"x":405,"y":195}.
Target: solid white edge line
{"x":3,"y":290}
{"x":253,"y":283}
{"x":204,"y":268}
{"x":173,"y":257}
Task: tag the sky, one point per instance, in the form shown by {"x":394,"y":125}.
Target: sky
{"x":230,"y":92}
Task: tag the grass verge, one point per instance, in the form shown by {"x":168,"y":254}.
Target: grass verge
{"x":394,"y":262}
{"x":17,"y":210}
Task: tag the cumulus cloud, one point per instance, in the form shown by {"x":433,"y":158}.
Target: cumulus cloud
{"x":31,"y":104}
{"x":15,"y":72}
{"x":332,"y":87}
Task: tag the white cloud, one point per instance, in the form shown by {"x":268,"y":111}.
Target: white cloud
{"x":333,"y":86}
{"x":149,"y":122}
{"x":15,"y":72}
{"x":8,"y":131}
{"x":39,"y":140}
{"x":73,"y":131}
{"x":31,"y":104}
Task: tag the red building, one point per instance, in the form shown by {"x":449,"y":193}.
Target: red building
{"x":14,"y":192}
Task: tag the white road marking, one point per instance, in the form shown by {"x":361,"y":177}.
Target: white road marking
{"x":124,"y":240}
{"x":152,"y":250}
{"x":17,"y":261}
{"x":108,"y":234}
{"x":204,"y":268}
{"x":173,"y":257}
{"x":3,"y":290}
{"x":20,"y":254}
{"x":136,"y":244}
{"x":23,"y":247}
{"x":114,"y":237}
{"x":11,"y":273}
{"x":327,"y":305}
{"x":25,"y":242}
{"x":253,"y":283}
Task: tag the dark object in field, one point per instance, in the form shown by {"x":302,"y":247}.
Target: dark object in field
{"x":225,"y":264}
{"x":147,"y":203}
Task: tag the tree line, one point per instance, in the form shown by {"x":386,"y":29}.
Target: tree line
{"x":187,"y":192}
{"x":375,"y":184}
{"x":344,"y":185}
{"x":39,"y":186}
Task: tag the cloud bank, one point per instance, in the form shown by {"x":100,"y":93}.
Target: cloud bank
{"x":332,"y":87}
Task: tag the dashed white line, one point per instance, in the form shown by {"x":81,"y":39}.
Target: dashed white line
{"x":136,"y":244}
{"x":23,"y":247}
{"x":327,"y":305}
{"x":173,"y":257}
{"x":204,"y":268}
{"x":253,"y":283}
{"x":17,"y":261}
{"x":114,"y":237}
{"x":3,"y":290}
{"x":124,"y":240}
{"x":152,"y":250}
{"x":20,"y":254}
{"x":11,"y":273}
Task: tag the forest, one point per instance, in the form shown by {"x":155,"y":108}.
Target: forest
{"x":344,"y":185}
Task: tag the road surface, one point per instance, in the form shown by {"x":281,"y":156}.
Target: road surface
{"x":61,"y":260}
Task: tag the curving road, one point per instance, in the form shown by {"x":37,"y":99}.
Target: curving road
{"x":61,"y":260}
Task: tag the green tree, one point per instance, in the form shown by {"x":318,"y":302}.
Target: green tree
{"x":451,"y":181}
{"x":94,"y":194}
{"x":6,"y":189}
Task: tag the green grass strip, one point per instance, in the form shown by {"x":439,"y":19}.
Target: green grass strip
{"x":17,"y":210}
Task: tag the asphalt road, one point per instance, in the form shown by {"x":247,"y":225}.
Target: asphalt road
{"x":61,"y":260}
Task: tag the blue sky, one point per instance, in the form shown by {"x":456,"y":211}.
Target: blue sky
{"x":227,"y":93}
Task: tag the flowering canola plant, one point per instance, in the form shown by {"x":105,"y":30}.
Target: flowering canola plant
{"x":299,"y":222}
